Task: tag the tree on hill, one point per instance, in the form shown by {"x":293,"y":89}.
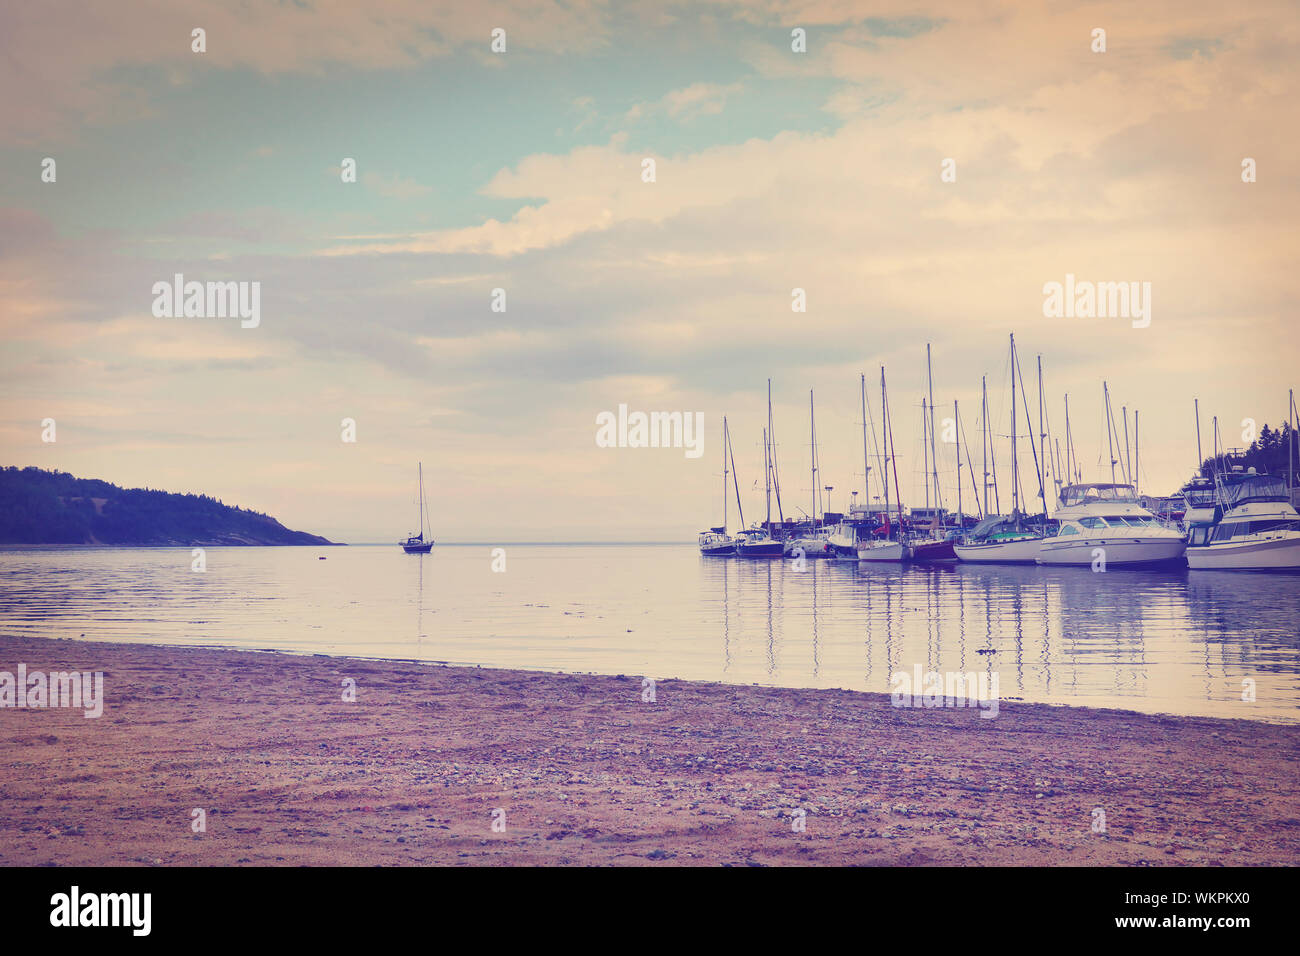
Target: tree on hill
{"x":54,"y":507}
{"x":1266,"y":454}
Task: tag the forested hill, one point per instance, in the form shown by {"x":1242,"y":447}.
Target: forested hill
{"x":53,"y":507}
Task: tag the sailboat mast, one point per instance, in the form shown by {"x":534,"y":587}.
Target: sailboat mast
{"x":1071,"y":461}
{"x":955,"y":420}
{"x":970,"y":465}
{"x":767,"y":481}
{"x":1215,"y":452}
{"x":889,"y":426}
{"x":925,"y":451}
{"x":866,"y":458}
{"x":884,"y":438}
{"x":1057,"y":479}
{"x":1042,"y":441}
{"x":984,"y":434}
{"x":1015,"y":465}
{"x":1128,"y":459}
{"x":1137,"y":455}
{"x":724,"y":474}
{"x":735,"y":482}
{"x":812,"y":456}
{"x":1110,"y":445}
{"x":934,"y":454}
{"x":776,"y":475}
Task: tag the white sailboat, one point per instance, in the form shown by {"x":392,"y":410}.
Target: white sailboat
{"x":816,"y":542}
{"x":716,"y":542}
{"x":757,"y":542}
{"x":880,"y":546}
{"x":1006,"y":540}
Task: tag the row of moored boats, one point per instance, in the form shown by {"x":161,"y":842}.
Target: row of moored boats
{"x":1231,"y":517}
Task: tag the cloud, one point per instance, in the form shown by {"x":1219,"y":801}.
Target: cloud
{"x":689,"y":102}
{"x":676,"y":294}
{"x":64,"y":63}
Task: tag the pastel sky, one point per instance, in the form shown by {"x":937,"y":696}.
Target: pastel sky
{"x":775,"y":170}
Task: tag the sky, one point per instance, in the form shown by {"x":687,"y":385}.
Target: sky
{"x":920,"y":171}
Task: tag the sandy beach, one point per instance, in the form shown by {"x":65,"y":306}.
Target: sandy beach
{"x":288,"y":773}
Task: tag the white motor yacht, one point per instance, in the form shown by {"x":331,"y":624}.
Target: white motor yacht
{"x":1256,"y":528}
{"x":1106,"y":521}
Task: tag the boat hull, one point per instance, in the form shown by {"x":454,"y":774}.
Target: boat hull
{"x":1017,"y":551}
{"x":719,"y":551}
{"x":1282,"y":554}
{"x":418,"y":548}
{"x":883,"y":551}
{"x":1119,"y":551}
{"x":812,"y":547}
{"x":763,"y":549}
{"x":933,"y":551}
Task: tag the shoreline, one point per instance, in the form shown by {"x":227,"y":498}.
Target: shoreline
{"x":288,"y":773}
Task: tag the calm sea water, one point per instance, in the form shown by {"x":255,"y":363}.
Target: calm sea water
{"x":1173,"y":642}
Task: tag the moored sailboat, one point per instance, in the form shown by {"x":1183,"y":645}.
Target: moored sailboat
{"x":934,"y":544}
{"x":1008,"y":539}
{"x":758,"y":542}
{"x":716,"y":542}
{"x":879,"y":546}
{"x":814,"y":542}
{"x":416,"y":543}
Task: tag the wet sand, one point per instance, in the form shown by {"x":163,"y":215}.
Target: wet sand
{"x":586,"y":773}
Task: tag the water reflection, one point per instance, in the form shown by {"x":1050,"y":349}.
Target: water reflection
{"x":1152,"y":640}
{"x":1157,"y":641}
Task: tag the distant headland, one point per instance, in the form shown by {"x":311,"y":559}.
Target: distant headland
{"x":54,"y":507}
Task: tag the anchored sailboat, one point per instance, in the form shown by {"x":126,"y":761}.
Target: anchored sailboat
{"x":716,"y":542}
{"x":416,"y":543}
{"x":1007,"y":540}
{"x":879,"y":546}
{"x":935,"y":545}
